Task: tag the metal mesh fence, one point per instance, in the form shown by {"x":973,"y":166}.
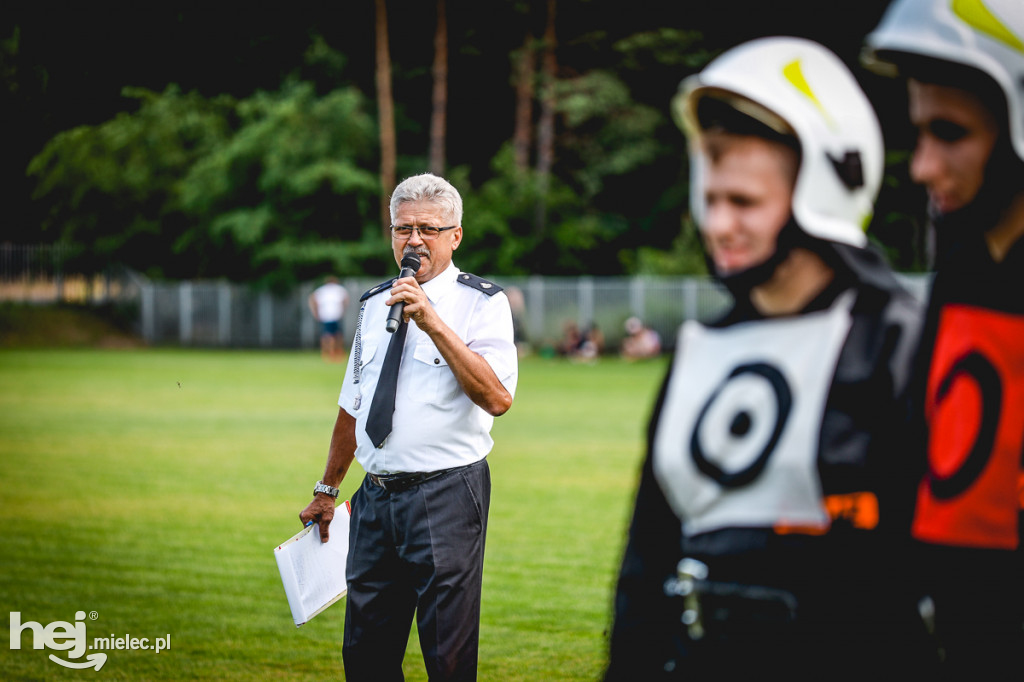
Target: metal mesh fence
{"x":232,"y":315}
{"x":223,"y":314}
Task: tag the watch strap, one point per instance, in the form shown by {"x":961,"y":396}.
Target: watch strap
{"x":322,"y":487}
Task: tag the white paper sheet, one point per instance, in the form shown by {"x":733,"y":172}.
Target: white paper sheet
{"x":313,"y":572}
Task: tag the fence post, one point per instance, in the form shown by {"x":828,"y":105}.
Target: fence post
{"x":637,"y":297}
{"x":689,"y":298}
{"x":224,"y":314}
{"x":586,"y":294}
{"x":266,"y":319}
{"x":535,"y":308}
{"x":350,"y":316}
{"x":185,"y":313}
{"x":148,"y":312}
{"x":308,"y":325}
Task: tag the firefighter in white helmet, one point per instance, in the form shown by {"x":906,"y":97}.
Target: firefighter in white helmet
{"x":964,"y":65}
{"x":773,"y":506}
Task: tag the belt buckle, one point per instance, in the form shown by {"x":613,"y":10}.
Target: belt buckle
{"x":384,"y":481}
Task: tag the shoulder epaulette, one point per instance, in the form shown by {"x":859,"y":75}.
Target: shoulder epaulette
{"x":478,"y":283}
{"x":377,"y":289}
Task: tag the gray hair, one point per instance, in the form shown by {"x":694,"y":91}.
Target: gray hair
{"x":430,"y":188}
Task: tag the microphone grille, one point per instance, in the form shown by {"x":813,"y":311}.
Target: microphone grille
{"x":411,"y":260}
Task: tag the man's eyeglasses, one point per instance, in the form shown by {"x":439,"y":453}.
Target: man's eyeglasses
{"x":404,"y":232}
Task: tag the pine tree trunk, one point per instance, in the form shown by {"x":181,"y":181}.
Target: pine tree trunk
{"x":523,"y":133}
{"x":546,"y":123}
{"x":439,"y":120}
{"x":386,"y":116}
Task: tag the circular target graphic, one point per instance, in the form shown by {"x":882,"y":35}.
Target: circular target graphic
{"x":740,"y":424}
{"x":976,"y":367}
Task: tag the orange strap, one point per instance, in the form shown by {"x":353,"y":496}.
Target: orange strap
{"x":859,"y":509}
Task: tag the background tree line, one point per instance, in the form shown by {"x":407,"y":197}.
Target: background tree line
{"x":260,"y":145}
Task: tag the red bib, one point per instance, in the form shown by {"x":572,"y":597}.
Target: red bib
{"x":974,"y":408}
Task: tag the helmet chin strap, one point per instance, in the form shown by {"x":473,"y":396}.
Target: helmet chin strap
{"x":1004,"y":180}
{"x":740,"y":283}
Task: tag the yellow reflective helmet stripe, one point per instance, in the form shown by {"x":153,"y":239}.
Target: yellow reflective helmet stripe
{"x":795,"y":75}
{"x":975,"y":14}
{"x":865,"y":222}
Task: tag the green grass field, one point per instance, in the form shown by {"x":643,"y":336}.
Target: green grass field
{"x":148,"y":488}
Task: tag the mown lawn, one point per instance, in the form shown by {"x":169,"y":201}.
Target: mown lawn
{"x":149,"y":487}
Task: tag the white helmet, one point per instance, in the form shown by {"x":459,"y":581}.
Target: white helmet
{"x":987,"y":35}
{"x":814,"y":94}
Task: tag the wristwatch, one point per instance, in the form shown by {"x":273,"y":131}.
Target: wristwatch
{"x":322,"y":487}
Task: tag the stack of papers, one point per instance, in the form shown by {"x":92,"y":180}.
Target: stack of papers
{"x":313,"y":572}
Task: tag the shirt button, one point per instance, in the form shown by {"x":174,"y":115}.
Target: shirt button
{"x":437,"y":361}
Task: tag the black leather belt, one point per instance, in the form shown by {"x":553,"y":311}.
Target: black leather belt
{"x":396,"y":483}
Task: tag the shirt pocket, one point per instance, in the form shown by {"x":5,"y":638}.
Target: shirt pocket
{"x":432,"y":379}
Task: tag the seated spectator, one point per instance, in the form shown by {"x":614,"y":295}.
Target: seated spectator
{"x":591,"y":344}
{"x":641,"y":341}
{"x":571,"y":339}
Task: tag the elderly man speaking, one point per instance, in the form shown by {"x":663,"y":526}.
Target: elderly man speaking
{"x":416,"y":409}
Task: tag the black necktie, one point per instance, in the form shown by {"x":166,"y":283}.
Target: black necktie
{"x":382,"y":408}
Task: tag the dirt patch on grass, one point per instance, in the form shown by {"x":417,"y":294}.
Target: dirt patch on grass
{"x":29,"y":326}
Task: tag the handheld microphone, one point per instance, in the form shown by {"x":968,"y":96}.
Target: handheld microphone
{"x":410,"y":266}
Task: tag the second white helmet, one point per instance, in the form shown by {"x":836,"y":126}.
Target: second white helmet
{"x":987,"y":36}
{"x":810,"y":89}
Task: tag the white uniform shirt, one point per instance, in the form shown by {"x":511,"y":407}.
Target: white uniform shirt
{"x":436,"y":425}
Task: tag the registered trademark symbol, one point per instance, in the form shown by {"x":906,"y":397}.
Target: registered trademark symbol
{"x":93,"y":615}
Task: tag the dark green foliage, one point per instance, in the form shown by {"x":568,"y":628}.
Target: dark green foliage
{"x":261,"y":164}
{"x":274,"y":187}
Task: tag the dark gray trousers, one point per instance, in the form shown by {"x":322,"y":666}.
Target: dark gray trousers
{"x":417,"y":551}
